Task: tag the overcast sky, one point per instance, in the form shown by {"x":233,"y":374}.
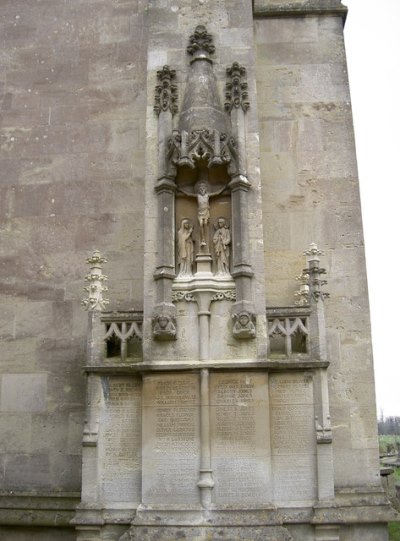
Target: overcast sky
{"x":372,"y":35}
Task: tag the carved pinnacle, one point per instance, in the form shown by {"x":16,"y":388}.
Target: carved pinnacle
{"x":166,"y":94}
{"x":236,"y":89}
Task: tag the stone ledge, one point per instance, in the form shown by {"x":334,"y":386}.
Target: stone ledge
{"x":299,"y":8}
{"x":38,"y":509}
{"x":296,"y":362}
{"x":94,"y":515}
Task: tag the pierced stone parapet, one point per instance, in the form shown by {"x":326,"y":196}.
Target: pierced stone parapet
{"x":236,"y":89}
{"x":288,"y":331}
{"x":119,"y":329}
{"x":166,"y":95}
{"x":95,"y":287}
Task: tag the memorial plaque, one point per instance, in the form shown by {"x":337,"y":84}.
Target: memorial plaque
{"x":120,"y":440}
{"x":293,"y":437}
{"x":171,"y":439}
{"x":240,"y":438}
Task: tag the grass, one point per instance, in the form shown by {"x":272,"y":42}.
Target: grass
{"x":388,"y":441}
{"x":394,"y":531}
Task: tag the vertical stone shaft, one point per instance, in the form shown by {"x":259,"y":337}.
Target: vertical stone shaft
{"x":90,"y":492}
{"x":325,"y":472}
{"x":96,"y":345}
{"x":166,"y":204}
{"x":317,"y":331}
{"x":203,"y":303}
{"x":206,"y":482}
{"x":242,"y":271}
{"x":166,"y":211}
{"x":239,"y":130}
{"x":237,"y":104}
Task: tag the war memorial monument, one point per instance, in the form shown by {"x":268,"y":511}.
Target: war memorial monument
{"x":195,"y":160}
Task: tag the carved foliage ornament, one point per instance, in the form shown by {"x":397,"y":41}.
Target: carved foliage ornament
{"x":166,"y":95}
{"x":200,"y":43}
{"x":236,"y":89}
{"x":228,"y":295}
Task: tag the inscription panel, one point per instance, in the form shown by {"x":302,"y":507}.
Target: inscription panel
{"x":120,"y":440}
{"x":171,"y":442}
{"x":240,"y":439}
{"x":293,"y":438}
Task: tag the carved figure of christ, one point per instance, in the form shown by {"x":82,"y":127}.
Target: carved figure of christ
{"x":203,"y":207}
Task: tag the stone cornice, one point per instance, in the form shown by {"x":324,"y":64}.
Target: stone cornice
{"x":298,"y":8}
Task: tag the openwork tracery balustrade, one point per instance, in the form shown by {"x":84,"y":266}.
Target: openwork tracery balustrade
{"x":123,"y":333}
{"x":288,"y":331}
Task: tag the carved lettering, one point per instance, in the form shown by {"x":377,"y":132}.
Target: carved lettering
{"x":171,"y":444}
{"x":293,"y":437}
{"x":239,"y":421}
{"x":120,"y":441}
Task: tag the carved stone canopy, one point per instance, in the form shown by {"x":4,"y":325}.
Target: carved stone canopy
{"x":201,"y":108}
{"x":215,"y":148}
{"x":204,"y":132}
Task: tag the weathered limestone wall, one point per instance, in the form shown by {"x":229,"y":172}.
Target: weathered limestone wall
{"x":73,"y":89}
{"x":310,"y":194}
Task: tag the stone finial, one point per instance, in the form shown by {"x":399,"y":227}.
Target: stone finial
{"x":166,"y":94}
{"x":200,"y":44}
{"x":95,"y":287}
{"x":313,"y":252}
{"x":236,"y":89}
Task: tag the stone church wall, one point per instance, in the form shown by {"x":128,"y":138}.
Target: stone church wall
{"x":73,"y":92}
{"x":78,"y":138}
{"x":310,"y":191}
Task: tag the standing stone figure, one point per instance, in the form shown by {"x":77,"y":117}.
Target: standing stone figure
{"x":203,"y":208}
{"x":221,"y":241}
{"x":185,"y":248}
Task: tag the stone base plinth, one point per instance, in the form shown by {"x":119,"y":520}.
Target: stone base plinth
{"x":190,"y":533}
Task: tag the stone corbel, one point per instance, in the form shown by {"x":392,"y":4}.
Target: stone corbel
{"x":244,"y":324}
{"x":164,"y":324}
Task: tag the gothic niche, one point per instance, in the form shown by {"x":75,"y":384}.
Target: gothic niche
{"x":203,"y":212}
{"x":202,"y":189}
